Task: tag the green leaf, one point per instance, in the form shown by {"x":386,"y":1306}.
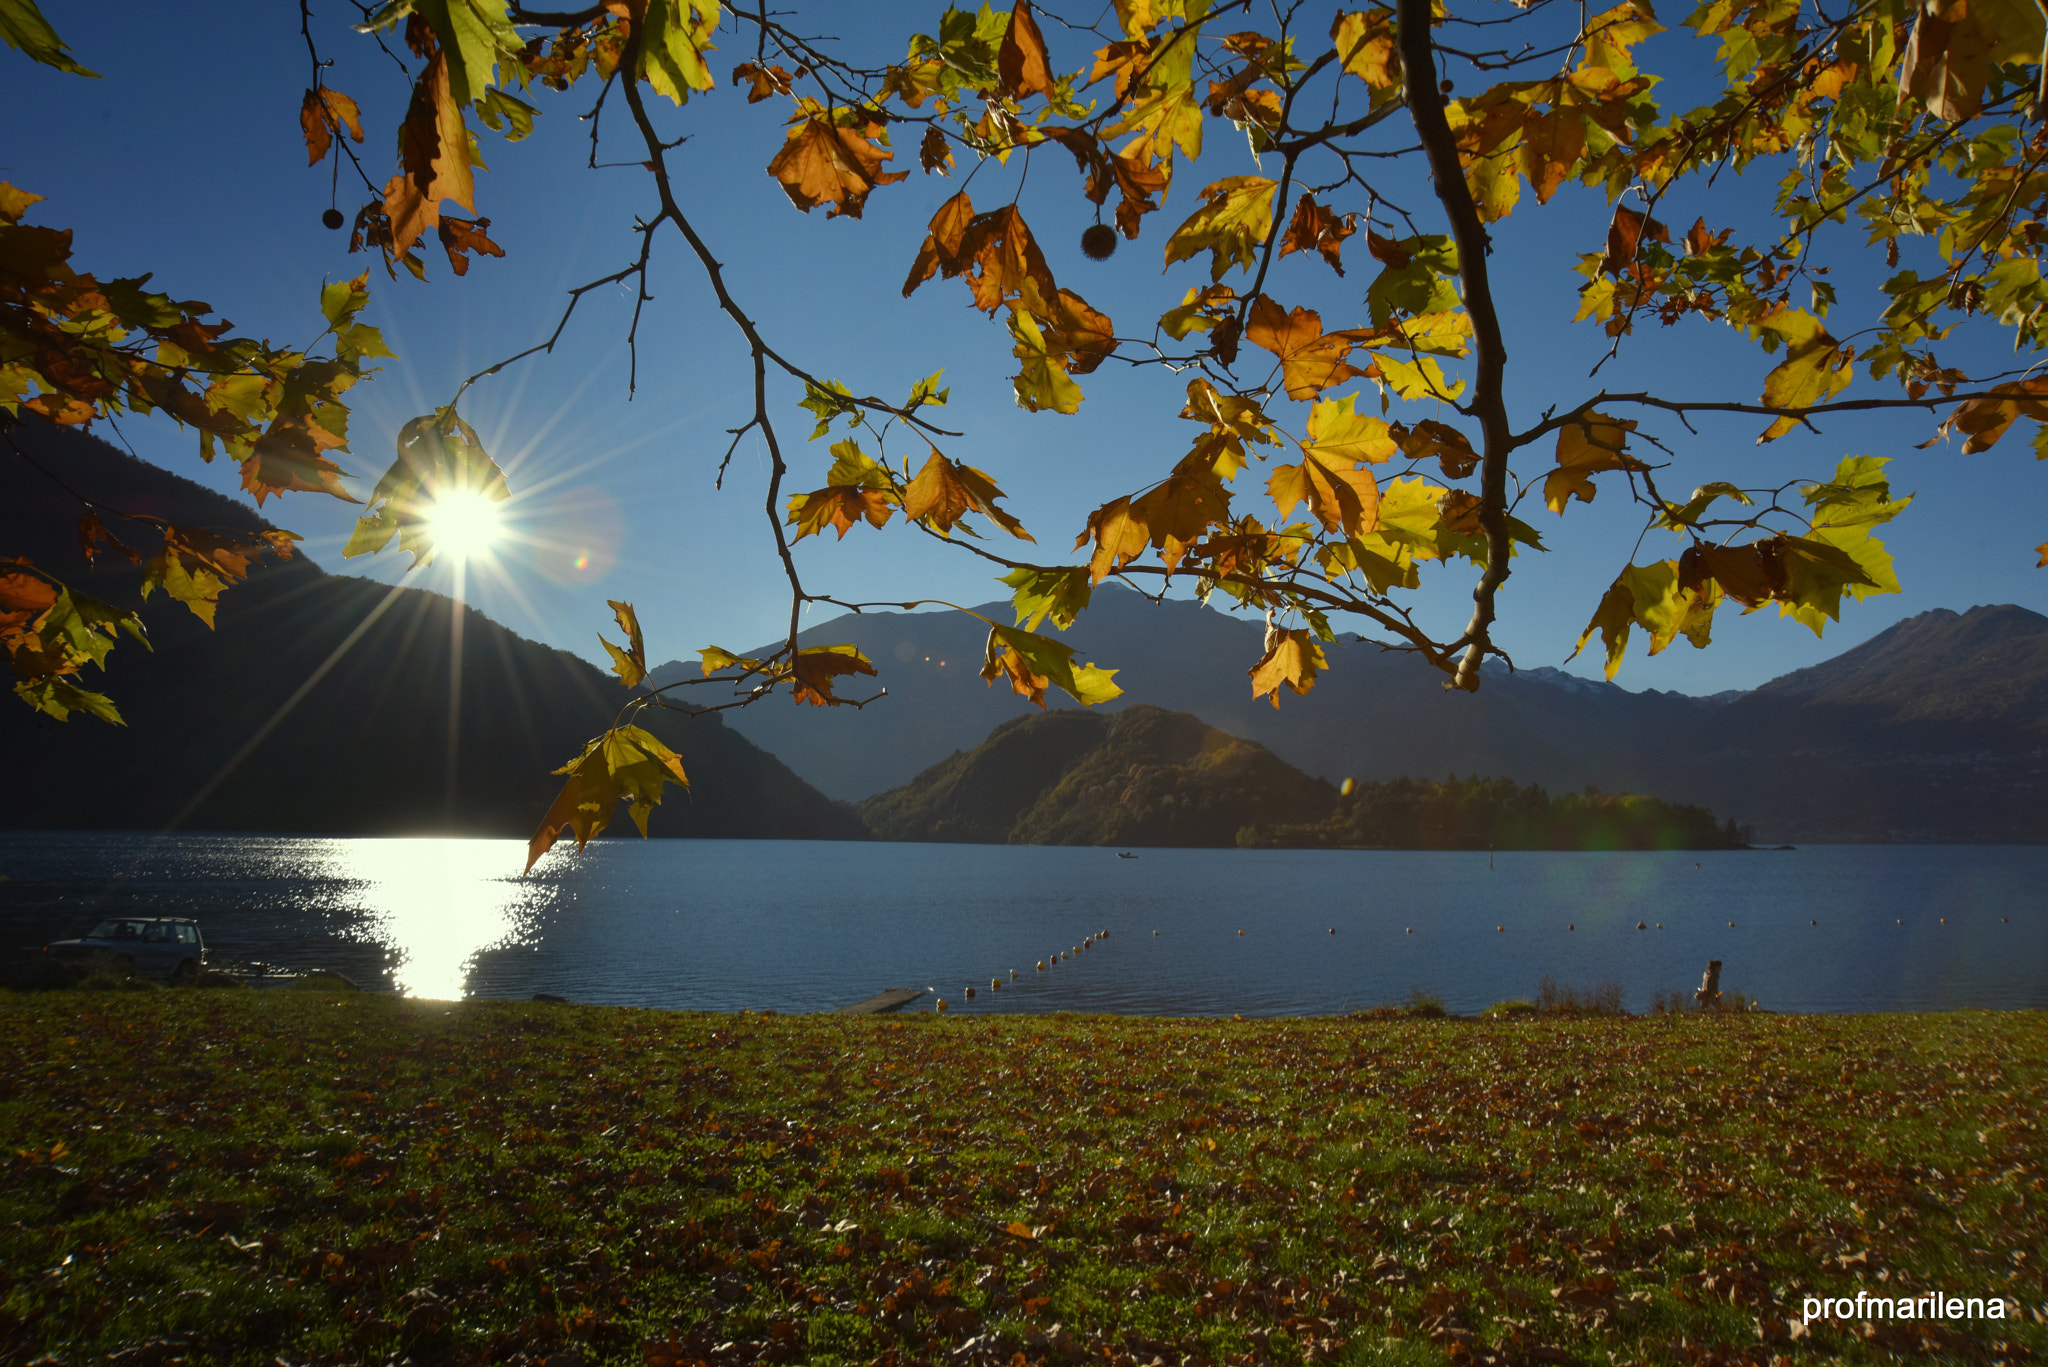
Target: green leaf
{"x":507,"y":114}
{"x":675,"y":38}
{"x":25,"y":30}
{"x":1059,"y":594}
{"x":826,"y":402}
{"x":1033,"y":662}
{"x":59,"y":697}
{"x":1042,"y":382}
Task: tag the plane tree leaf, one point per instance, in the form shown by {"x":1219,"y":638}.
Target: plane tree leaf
{"x":1061,"y":594}
{"x":1033,"y":663}
{"x":629,"y":663}
{"x":1293,"y":658}
{"x":626,"y":763}
{"x":946,"y":491}
{"x":1234,"y":221}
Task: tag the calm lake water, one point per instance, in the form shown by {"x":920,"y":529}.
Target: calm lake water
{"x":806,"y":926}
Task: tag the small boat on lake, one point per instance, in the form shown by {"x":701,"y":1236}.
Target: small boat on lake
{"x":1125,"y":854}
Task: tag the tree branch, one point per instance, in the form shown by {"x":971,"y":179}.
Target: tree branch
{"x":1426,"y":106}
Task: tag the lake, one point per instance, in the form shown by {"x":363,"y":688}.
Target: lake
{"x":807,"y":926}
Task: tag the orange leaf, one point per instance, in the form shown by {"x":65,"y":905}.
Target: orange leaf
{"x":1292,"y":657}
{"x":945,"y":491}
{"x":433,"y":149}
{"x":323,"y":114}
{"x":838,"y":506}
{"x":1310,"y":361}
{"x":822,"y":163}
{"x":1120,"y":537}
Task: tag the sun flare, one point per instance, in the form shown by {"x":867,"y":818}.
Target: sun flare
{"x":464,"y":523}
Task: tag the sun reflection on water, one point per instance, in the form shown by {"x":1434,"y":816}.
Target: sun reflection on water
{"x":436,"y":904}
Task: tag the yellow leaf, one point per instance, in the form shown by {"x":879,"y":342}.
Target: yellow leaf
{"x":1041,"y":382}
{"x":1586,"y":446}
{"x":1293,"y":658}
{"x":1366,"y":49}
{"x":1338,"y":433}
{"x":1234,"y":221}
{"x":629,"y":664}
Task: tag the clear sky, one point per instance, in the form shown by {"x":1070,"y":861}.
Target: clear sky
{"x":186,"y":160}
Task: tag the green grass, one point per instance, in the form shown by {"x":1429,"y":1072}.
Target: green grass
{"x":311,"y":1177}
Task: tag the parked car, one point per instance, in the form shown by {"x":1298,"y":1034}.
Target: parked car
{"x":171,"y":947}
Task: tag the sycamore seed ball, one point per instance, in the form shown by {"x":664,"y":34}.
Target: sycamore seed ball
{"x":1099,"y":242}
{"x":332,"y":218}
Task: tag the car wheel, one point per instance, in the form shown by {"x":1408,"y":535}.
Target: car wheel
{"x":185,"y":972}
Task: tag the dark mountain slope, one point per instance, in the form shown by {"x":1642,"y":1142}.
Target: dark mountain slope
{"x":325,"y":703}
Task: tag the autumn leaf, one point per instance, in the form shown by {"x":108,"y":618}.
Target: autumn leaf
{"x":1587,"y":445}
{"x":1235,"y":219}
{"x":626,"y":764}
{"x":1983,"y":421}
{"x":1178,"y":511}
{"x":815,"y":667}
{"x":196,"y":563}
{"x":1021,"y":63}
{"x":1453,"y":451}
{"x":1956,"y":46}
{"x":765,"y":81}
{"x":325,"y":114}
{"x":1119,"y":536}
{"x":630,"y":664}
{"x":1815,"y":369}
{"x":1315,"y":228}
{"x":1293,"y":658}
{"x":946,"y":491}
{"x":1033,"y":663}
{"x":433,"y":145}
{"x":461,"y":236}
{"x":1060,"y":594}
{"x":824,"y":163}
{"x":1310,"y":361}
{"x":1365,"y":47}
{"x":839,"y":508}
{"x":437,"y":452}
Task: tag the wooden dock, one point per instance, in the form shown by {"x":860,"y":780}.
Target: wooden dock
{"x":892,"y":999}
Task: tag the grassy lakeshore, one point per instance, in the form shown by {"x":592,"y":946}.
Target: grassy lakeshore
{"x":240,"y":1176}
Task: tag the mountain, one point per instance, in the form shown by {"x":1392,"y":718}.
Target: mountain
{"x":1377,"y":714}
{"x":1139,"y":776}
{"x":322,"y":703}
{"x":1932,"y":731}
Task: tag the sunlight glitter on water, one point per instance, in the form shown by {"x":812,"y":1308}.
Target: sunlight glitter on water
{"x":436,"y":904}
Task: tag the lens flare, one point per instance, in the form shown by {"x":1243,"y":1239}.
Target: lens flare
{"x":463,"y":523}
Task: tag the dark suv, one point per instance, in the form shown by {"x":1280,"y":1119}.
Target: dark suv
{"x":156,"y":946}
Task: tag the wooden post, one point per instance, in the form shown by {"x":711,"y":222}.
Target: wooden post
{"x":1709,"y":995}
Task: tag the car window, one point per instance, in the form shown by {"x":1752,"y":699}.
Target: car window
{"x":105,"y":930}
{"x":156,"y":933}
{"x":188,"y":935}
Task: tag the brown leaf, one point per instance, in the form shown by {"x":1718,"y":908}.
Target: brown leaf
{"x":934,"y":154}
{"x":1432,"y":438}
{"x":815,"y":669}
{"x":822,"y":163}
{"x":461,"y":236}
{"x":771,"y":80}
{"x":433,"y":147}
{"x":93,"y":533}
{"x":1315,"y":228}
{"x":1625,"y":233}
{"x":323,"y":114}
{"x":1021,"y":64}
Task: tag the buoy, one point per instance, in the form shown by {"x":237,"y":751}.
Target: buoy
{"x":1411,"y":929}
{"x":1013,"y":975}
{"x":1502,"y":929}
{"x":1813,"y":923}
{"x":1155,"y":932}
{"x":1571,"y":927}
{"x":942,"y":1004}
{"x":1944,"y":920}
{"x":2005,"y":920}
{"x":1641,"y":926}
{"x":1102,"y":935}
{"x":970,"y":994}
{"x":1660,"y":925}
{"x":995,"y":984}
{"x":1731,"y":925}
{"x":1333,"y":930}
{"x":1041,"y":965}
{"x":1240,"y":932}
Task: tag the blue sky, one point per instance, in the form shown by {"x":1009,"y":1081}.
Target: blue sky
{"x":187,"y":160}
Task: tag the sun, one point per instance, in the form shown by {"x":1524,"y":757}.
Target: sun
{"x":463,"y":523}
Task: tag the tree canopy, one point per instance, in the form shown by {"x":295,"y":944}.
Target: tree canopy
{"x":1339,"y":447}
